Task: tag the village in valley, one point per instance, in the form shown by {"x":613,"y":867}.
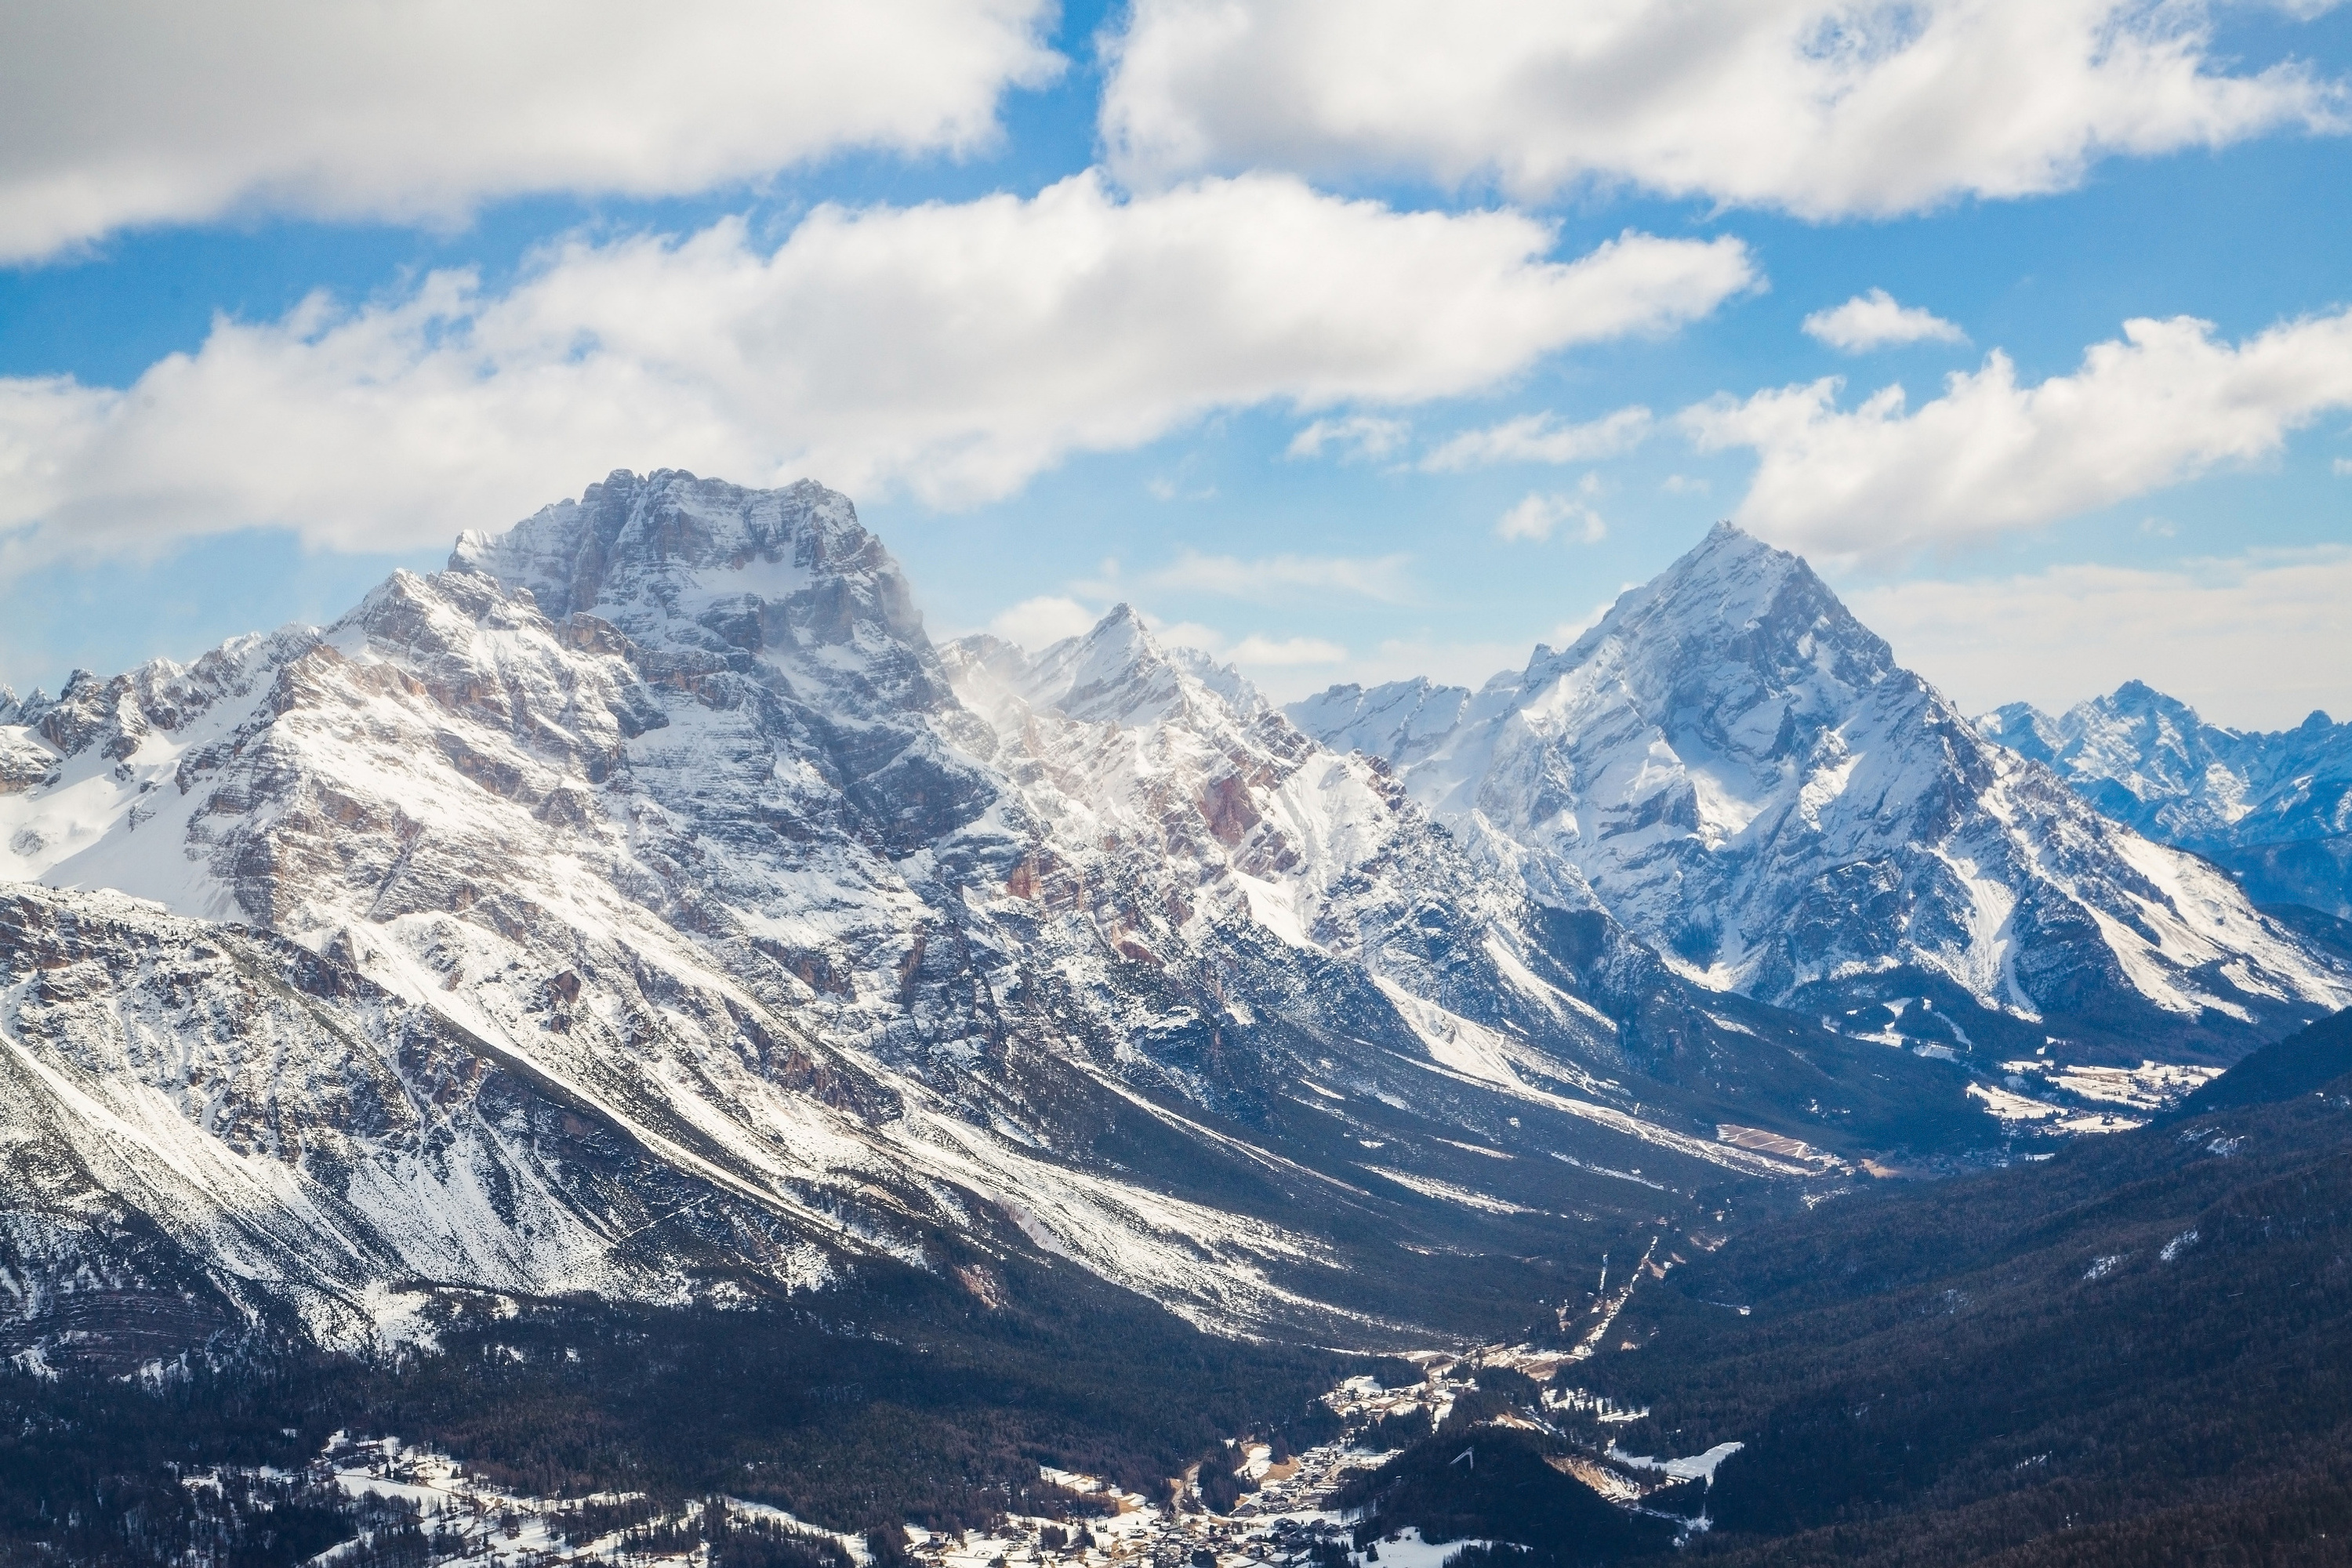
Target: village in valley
{"x":1276,"y":1507}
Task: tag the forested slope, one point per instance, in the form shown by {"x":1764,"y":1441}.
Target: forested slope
{"x":2137,"y":1351}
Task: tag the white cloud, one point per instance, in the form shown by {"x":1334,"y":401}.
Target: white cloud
{"x":142,"y":111}
{"x":1684,"y":485}
{"x":2344,"y":468}
{"x":2256,"y":641}
{"x":1043,"y":621}
{"x":1823,"y":108}
{"x":1540,"y":514}
{"x":1365,"y":437}
{"x":1186,"y":634}
{"x":1273,"y":663}
{"x":2162,"y":405}
{"x":1256,"y":649}
{"x":1381,"y":578}
{"x":954,"y":349}
{"x":1542,"y":438}
{"x":1443,"y":660}
{"x":1164,"y":487}
{"x":1874,"y":320}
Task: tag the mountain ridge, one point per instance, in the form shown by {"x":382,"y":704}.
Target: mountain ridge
{"x":876,"y":949}
{"x":1114,"y":969}
{"x":2273,"y":807}
{"x":1743,"y":775}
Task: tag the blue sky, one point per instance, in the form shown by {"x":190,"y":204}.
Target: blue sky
{"x":1349,"y":342}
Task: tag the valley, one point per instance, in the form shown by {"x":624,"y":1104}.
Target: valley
{"x":628,"y":1021}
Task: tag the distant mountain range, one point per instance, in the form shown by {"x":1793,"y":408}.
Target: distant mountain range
{"x":2275,"y":807}
{"x":644,"y":908}
{"x":1740,"y":773}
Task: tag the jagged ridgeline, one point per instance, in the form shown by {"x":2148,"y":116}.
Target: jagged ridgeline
{"x":644,"y":907}
{"x":643,"y":919}
{"x":1741,"y":773}
{"x":2275,"y":807}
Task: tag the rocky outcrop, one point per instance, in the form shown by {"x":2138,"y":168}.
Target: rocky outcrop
{"x":2274,"y":808}
{"x":644,"y":906}
{"x":1746,"y":779}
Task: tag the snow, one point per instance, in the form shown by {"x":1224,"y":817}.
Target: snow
{"x":619,"y":858}
{"x":2007,"y":1105}
{"x":2186,"y":781}
{"x":1695,"y":1468}
{"x":1406,"y":1549}
{"x":1469,"y":1049}
{"x":1429,"y":1186}
{"x":1728,"y":739}
{"x":2151,"y":1086}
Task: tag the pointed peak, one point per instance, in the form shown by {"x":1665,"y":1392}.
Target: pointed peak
{"x":2138,"y":697}
{"x":1728,"y":577}
{"x":1119,"y":670}
{"x":1731,"y":599}
{"x":1121,"y":634}
{"x":1728,"y":541}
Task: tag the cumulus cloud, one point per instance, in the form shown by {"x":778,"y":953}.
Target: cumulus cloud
{"x":954,"y":349}
{"x":1381,"y":578}
{"x":1365,"y":437}
{"x":1257,"y":650}
{"x":1540,"y":514}
{"x":142,"y":111}
{"x":1043,"y":621}
{"x":1542,"y":438}
{"x":2255,"y":641}
{"x":2165,"y":404}
{"x":1874,"y":320}
{"x":1823,"y":108}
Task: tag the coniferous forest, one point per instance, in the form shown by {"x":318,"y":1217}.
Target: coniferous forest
{"x":2136,"y":1351}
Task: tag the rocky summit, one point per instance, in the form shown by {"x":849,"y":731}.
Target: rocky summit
{"x":1742,"y":776}
{"x":643,"y":908}
{"x":2275,"y":807}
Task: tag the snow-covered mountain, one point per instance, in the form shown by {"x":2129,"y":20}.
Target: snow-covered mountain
{"x":644,"y":906}
{"x":1744,"y":777}
{"x":2273,"y":806}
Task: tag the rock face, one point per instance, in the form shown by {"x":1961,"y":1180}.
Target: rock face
{"x":2275,"y":807}
{"x":213,"y":1132}
{"x":1745,"y":778}
{"x":644,"y":906}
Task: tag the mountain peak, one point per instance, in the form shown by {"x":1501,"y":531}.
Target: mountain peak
{"x":1116,"y":672}
{"x":2137,"y":698}
{"x":2272,"y":806}
{"x":629,"y":535}
{"x":1731,"y":601}
{"x":1744,"y":775}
